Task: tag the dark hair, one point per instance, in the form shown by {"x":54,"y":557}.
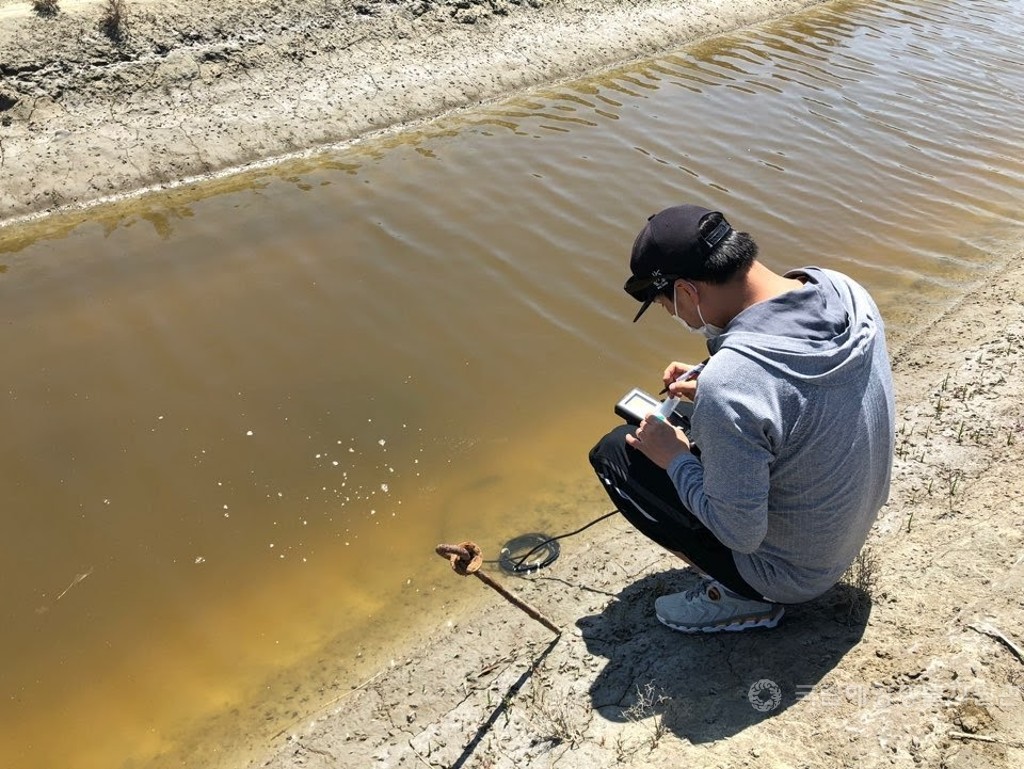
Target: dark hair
{"x":731,"y":257}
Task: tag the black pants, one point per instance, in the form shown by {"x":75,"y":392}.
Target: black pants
{"x":646,"y":496}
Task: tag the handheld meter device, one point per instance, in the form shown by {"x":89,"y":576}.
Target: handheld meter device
{"x":635,"y":405}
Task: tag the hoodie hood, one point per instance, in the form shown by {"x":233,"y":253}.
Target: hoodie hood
{"x":820,"y":332}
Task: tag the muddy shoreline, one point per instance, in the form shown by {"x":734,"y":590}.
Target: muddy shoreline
{"x":187,"y":90}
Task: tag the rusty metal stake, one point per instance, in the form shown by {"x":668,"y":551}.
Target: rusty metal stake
{"x":466,"y":558}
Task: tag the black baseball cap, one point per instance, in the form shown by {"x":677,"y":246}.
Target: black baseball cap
{"x":670,"y":247}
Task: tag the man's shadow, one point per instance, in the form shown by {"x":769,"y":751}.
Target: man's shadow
{"x":710,"y":686}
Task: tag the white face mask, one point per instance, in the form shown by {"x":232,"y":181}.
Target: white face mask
{"x":707,"y":330}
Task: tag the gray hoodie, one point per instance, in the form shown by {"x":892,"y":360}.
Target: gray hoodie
{"x":794,"y":419}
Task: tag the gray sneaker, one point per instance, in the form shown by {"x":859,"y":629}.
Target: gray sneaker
{"x":709,"y":608}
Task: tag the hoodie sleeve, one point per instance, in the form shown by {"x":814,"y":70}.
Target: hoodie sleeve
{"x":727,"y":488}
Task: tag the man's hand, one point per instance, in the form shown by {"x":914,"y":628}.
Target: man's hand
{"x":685,"y":390}
{"x":659,"y":441}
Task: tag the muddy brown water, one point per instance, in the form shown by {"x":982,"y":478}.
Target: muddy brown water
{"x":238,"y":417}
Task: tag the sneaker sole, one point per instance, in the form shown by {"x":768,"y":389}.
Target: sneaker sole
{"x":732,"y":627}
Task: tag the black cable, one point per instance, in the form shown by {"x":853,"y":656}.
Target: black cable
{"x":516,"y":566}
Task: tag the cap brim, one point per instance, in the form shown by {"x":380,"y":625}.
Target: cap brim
{"x":643,"y":309}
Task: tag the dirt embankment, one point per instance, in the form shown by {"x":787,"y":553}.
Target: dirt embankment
{"x":183,"y":88}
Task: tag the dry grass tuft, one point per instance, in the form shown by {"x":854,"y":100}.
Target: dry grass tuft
{"x":112,"y":20}
{"x":650,"y":702}
{"x":861,"y":580}
{"x":45,"y":7}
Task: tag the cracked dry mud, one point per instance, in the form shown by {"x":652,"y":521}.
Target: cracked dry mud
{"x":192,"y":88}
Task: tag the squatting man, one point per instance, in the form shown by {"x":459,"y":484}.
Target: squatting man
{"x":788,"y":458}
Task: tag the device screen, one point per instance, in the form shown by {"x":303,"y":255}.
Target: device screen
{"x":639,"y":404}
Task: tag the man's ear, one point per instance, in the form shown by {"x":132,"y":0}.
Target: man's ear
{"x":689,"y":288}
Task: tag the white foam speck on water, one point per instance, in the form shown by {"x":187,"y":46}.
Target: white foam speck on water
{"x":248,"y":432}
{"x":384,"y":488}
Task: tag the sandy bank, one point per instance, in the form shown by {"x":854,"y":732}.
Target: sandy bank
{"x":186,"y":88}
